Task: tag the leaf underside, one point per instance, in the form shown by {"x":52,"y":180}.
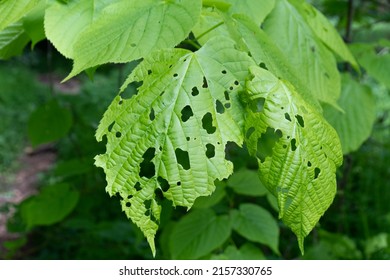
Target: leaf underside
{"x":304,"y":150}
{"x":169,"y":140}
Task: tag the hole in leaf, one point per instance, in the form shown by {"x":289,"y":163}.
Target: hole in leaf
{"x":175,"y":75}
{"x":162,"y":93}
{"x":178,"y":183}
{"x":207,"y":123}
{"x":118,"y":134}
{"x":227,"y":105}
{"x":147,"y":212}
{"x":205,"y":84}
{"x":257,"y":105}
{"x":309,"y":163}
{"x":128,"y":204}
{"x":300,"y":120}
{"x":219,"y":107}
{"x":152,"y":116}
{"x":131,"y":90}
{"x":224,"y":72}
{"x":236,"y":83}
{"x":158,"y":194}
{"x":266,"y":143}
{"x":284,"y":146}
{"x":293,"y":144}
{"x":110,"y":126}
{"x":231,"y":88}
{"x":120,"y":102}
{"x":182,"y":158}
{"x":129,"y":196}
{"x":149,"y":72}
{"x":188,"y":138}
{"x":137,"y":186}
{"x":249,"y":54}
{"x":227,"y":97}
{"x":163,"y":183}
{"x":147,"y":166}
{"x":317,"y":172}
{"x":147,"y":203}
{"x":210,"y":150}
{"x":287,"y":117}
{"x":249,"y":132}
{"x":194,"y":91}
{"x":186,"y":113}
{"x":262,"y":65}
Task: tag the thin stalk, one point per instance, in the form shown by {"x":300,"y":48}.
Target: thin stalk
{"x":209,"y":30}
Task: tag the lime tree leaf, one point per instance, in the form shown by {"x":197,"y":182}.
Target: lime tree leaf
{"x":50,"y":206}
{"x":377,"y":65}
{"x":354,"y":125}
{"x":33,"y":23}
{"x":198,"y":234}
{"x":48,"y":123}
{"x":13,"y":39}
{"x":11,"y":11}
{"x":297,"y":150}
{"x":170,"y":138}
{"x":325,"y":31}
{"x":132,"y":29}
{"x":256,"y":224}
{"x":247,"y":251}
{"x":209,"y":25}
{"x":254,"y":9}
{"x":315,"y":63}
{"x":214,"y":198}
{"x":246,"y":182}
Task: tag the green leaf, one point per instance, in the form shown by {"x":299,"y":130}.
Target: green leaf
{"x":247,"y":251}
{"x":256,"y":224}
{"x":246,"y":182}
{"x":13,"y":39}
{"x":328,"y":34}
{"x":33,"y":24}
{"x":198,"y":233}
{"x":377,"y":65}
{"x":13,"y":10}
{"x":252,"y":8}
{"x":353,"y":126}
{"x":170,"y":138}
{"x":316,"y":64}
{"x":132,"y":29}
{"x":50,"y":206}
{"x":297,"y":150}
{"x":214,"y":198}
{"x":48,"y":123}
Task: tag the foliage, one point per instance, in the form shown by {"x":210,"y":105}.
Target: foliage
{"x":228,"y":89}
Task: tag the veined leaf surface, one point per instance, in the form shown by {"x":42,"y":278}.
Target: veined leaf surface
{"x":13,"y":10}
{"x":170,"y":138}
{"x":297,"y":150}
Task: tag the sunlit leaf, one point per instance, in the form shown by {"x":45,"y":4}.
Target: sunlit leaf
{"x":13,"y":10}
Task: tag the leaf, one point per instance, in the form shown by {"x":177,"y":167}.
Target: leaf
{"x":256,"y":224}
{"x":48,"y":123}
{"x":214,"y":198}
{"x":132,"y":29}
{"x":324,"y":30}
{"x":355,"y":125}
{"x":252,"y":8}
{"x":50,"y":206}
{"x":246,"y":182}
{"x":170,"y":138}
{"x":11,"y":11}
{"x":198,"y":234}
{"x":316,"y":64}
{"x":13,"y":39}
{"x":303,"y":150}
{"x":246,"y":252}
{"x":33,"y":24}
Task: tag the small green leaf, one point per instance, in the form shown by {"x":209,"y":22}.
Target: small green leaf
{"x":169,"y":140}
{"x":13,"y":39}
{"x":353,"y":126}
{"x":303,"y":150}
{"x":48,"y":123}
{"x":305,"y":51}
{"x":246,"y":182}
{"x":129,"y":30}
{"x":256,"y":224}
{"x":13,"y":10}
{"x":198,"y":234}
{"x":50,"y":206}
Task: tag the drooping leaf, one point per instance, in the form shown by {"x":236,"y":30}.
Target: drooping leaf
{"x":198,"y":234}
{"x":315,"y":63}
{"x":13,"y":39}
{"x":322,"y":27}
{"x":48,"y":123}
{"x":170,"y":138}
{"x":33,"y":23}
{"x":13,"y":10}
{"x":354,"y":125}
{"x":132,"y":29}
{"x":297,"y":150}
{"x":254,"y":9}
{"x":256,"y":224}
{"x":214,"y":198}
{"x":246,"y":182}
{"x":50,"y":206}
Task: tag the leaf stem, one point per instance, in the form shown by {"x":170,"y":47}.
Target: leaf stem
{"x":209,"y":30}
